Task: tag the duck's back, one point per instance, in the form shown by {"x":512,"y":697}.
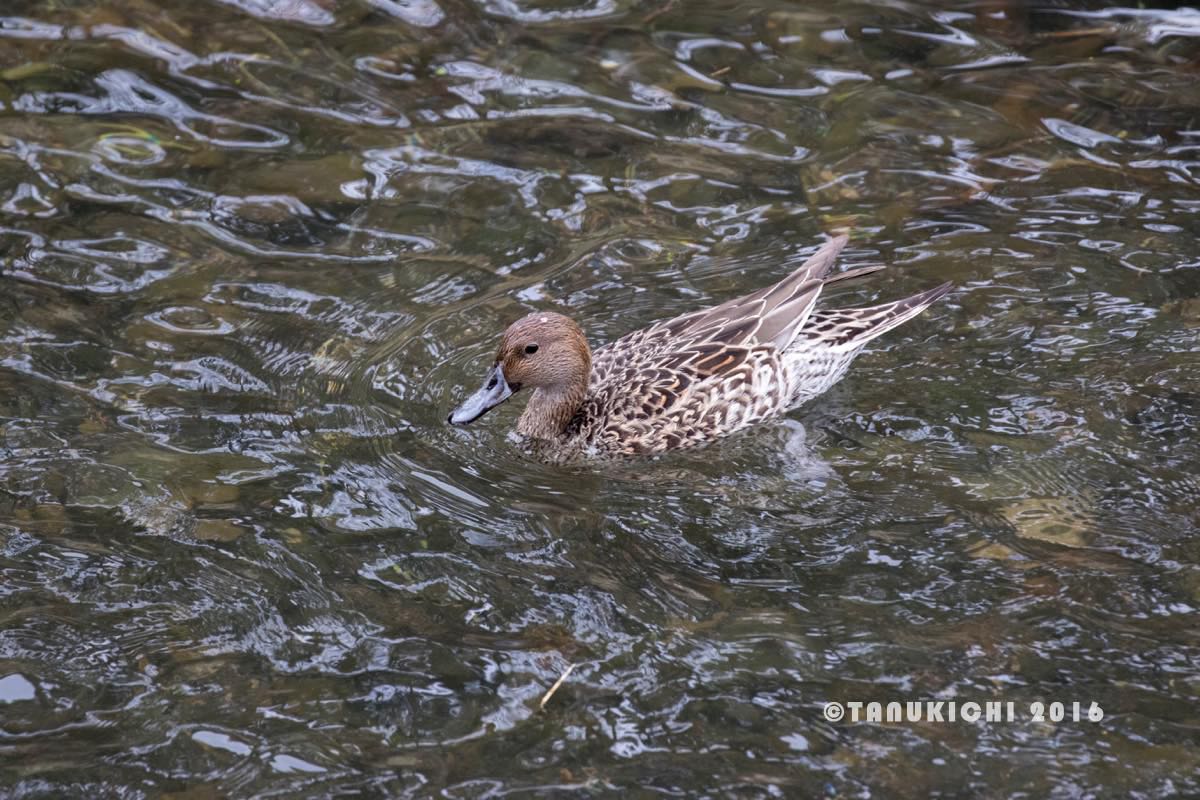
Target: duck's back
{"x":662,"y":398}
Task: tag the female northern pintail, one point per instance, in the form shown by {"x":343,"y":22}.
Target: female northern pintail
{"x":688,"y":380}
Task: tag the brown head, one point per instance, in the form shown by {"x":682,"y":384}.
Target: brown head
{"x":543,"y":351}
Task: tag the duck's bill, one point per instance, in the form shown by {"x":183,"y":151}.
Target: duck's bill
{"x":495,"y":390}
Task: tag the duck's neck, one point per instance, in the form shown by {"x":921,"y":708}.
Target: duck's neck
{"x":550,"y":411}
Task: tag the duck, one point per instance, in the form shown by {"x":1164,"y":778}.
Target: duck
{"x":685,"y":381}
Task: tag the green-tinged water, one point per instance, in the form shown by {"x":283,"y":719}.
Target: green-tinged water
{"x":252,"y":251}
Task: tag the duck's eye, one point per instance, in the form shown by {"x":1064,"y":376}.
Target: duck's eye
{"x":530,"y":349}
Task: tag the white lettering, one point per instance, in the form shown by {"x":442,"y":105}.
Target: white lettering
{"x":970,"y":711}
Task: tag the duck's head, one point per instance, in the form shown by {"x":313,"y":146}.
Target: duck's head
{"x":542,"y":350}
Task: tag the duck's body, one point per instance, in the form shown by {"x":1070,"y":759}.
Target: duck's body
{"x":688,"y":380}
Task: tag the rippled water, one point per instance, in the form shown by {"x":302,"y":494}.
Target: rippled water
{"x":252,"y":250}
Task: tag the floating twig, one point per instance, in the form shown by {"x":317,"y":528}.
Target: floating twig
{"x":550,"y":692}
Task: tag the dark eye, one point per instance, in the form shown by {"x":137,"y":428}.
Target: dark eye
{"x":530,"y":349}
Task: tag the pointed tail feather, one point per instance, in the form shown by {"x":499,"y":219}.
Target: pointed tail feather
{"x":851,"y":328}
{"x":819,"y":263}
{"x":851,"y":274}
{"x":774,"y":313}
{"x":787,"y":304}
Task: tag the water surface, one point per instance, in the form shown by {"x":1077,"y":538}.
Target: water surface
{"x":251,"y":251}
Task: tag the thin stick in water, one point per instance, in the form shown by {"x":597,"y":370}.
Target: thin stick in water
{"x":550,"y":693}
